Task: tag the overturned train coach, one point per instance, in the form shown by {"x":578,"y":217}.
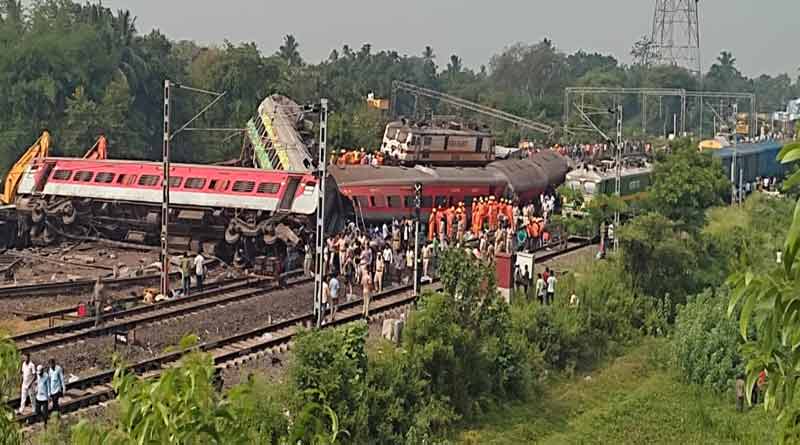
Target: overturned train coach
{"x":236,"y":209}
{"x":384,"y":193}
{"x":230,"y":210}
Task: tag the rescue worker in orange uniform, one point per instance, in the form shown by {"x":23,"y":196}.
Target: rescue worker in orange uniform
{"x":450,"y":213}
{"x":433,"y":224}
{"x":510,"y":214}
{"x":492,"y":214}
{"x":462,"y":220}
{"x":476,"y":211}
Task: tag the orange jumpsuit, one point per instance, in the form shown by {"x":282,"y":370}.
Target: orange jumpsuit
{"x":509,"y":212}
{"x":493,"y":215}
{"x":450,"y":214}
{"x":433,"y":222}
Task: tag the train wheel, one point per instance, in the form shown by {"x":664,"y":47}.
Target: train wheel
{"x":48,"y":236}
{"x":232,"y":236}
{"x":35,"y":230}
{"x":37,"y":213}
{"x":70,"y":214}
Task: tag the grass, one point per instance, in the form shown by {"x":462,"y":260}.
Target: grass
{"x":630,"y":400}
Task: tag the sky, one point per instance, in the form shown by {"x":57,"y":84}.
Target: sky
{"x":758,"y":33}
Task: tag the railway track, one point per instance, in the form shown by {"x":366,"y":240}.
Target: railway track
{"x":119,"y":321}
{"x":237,"y":349}
{"x":69,"y":287}
{"x":228,"y":352}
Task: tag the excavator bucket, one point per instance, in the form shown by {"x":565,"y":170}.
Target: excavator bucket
{"x":39,"y":149}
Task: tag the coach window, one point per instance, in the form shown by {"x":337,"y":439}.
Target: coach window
{"x":62,"y":175}
{"x":393,"y":202}
{"x":175,"y":181}
{"x":218,"y":186}
{"x":427,"y":202}
{"x":124,"y":179}
{"x":243,"y":186}
{"x":194,"y":183}
{"x":83,"y":176}
{"x":149,"y":180}
{"x":104,"y":177}
{"x":270,"y":188}
{"x":442,"y":201}
{"x":363,"y":201}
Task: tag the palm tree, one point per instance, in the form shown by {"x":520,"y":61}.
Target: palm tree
{"x":289,"y":51}
{"x":455,"y":65}
{"x":428,"y":54}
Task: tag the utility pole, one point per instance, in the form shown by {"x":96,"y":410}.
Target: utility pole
{"x":165,"y":194}
{"x":618,"y":181}
{"x":165,"y":166}
{"x":417,"y":205}
{"x":322,"y":172}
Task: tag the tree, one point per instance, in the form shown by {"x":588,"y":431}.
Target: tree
{"x":770,"y":306}
{"x":686,"y":184}
{"x":9,"y":377}
{"x":643,"y":51}
{"x":659,"y":257}
{"x":289,"y":51}
{"x":454,"y":66}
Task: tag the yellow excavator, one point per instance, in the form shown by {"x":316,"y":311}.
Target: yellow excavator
{"x":39,"y":149}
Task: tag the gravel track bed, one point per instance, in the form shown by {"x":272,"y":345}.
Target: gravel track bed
{"x":96,"y":354}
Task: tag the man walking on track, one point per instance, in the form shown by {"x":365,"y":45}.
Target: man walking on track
{"x":28,"y":376}
{"x":366,"y":287}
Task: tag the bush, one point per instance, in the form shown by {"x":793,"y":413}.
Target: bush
{"x":330,"y":370}
{"x":706,"y":343}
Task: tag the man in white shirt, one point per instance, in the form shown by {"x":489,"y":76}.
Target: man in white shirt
{"x":199,"y":270}
{"x":388,"y":261}
{"x":551,"y":287}
{"x":28,"y":377}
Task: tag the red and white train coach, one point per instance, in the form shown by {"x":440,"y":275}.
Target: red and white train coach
{"x":123,"y":199}
{"x":385,"y":192}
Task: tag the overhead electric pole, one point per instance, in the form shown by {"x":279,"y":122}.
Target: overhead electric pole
{"x":676,"y":34}
{"x":165,"y":166}
{"x":322,"y":172}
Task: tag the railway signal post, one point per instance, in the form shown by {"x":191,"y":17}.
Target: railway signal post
{"x":319,"y":239}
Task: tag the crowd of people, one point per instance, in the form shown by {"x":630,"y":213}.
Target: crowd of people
{"x":366,"y":260}
{"x":43,"y":386}
{"x":357,"y":157}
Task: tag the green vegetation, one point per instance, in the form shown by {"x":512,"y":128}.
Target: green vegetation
{"x":79,"y":69}
{"x":632,"y":399}
{"x":769,"y":321}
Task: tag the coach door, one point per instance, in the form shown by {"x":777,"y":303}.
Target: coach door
{"x":288,"y":195}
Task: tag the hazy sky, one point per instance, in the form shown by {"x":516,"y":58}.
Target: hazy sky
{"x":762,"y":34}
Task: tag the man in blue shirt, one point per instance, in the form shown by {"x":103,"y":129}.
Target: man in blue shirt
{"x":333,"y":288}
{"x":42,"y":393}
{"x":57,"y":384}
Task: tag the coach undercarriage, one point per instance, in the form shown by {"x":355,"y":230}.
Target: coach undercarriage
{"x":230,"y":234}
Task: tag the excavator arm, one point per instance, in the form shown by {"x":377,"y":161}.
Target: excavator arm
{"x":99,"y":150}
{"x":38,"y":150}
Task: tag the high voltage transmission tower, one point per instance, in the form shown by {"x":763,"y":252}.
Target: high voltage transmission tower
{"x":676,"y":34}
